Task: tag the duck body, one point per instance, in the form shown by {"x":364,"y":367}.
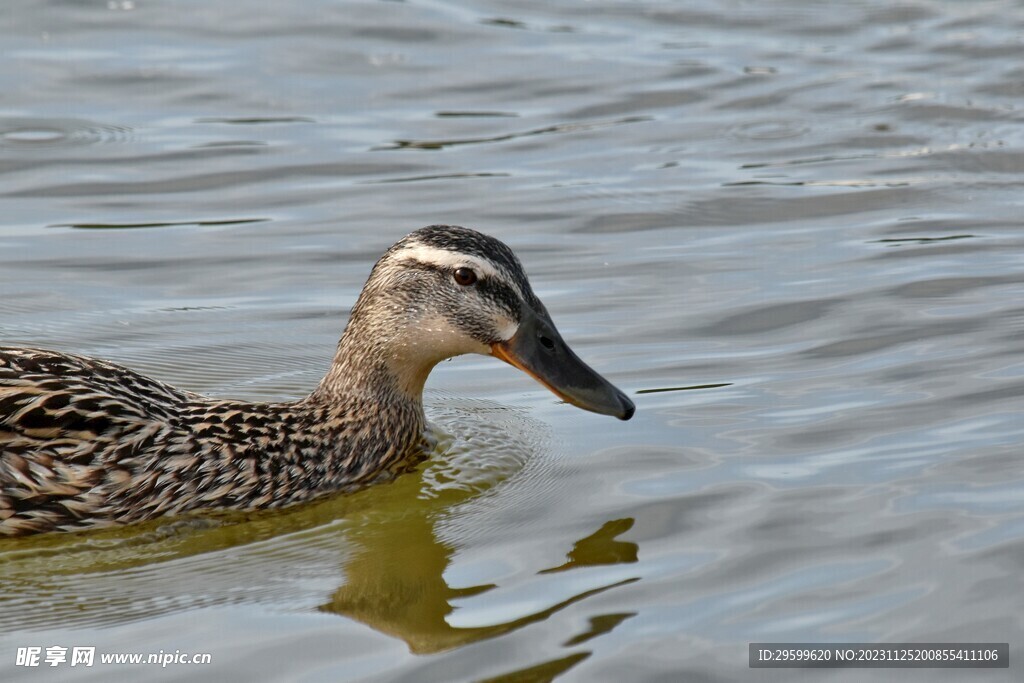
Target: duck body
{"x":88,"y":443}
{"x":85,"y":443}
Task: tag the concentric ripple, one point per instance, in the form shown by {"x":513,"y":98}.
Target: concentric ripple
{"x":48,"y":133}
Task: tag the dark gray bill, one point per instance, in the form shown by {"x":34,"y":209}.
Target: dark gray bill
{"x":538,"y":350}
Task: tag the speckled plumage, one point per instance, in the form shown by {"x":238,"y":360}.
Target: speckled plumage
{"x":85,"y":443}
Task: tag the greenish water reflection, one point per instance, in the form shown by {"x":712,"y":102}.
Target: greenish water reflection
{"x":395,"y":584}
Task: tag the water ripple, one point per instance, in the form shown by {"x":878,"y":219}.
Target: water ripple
{"x":42,"y":134}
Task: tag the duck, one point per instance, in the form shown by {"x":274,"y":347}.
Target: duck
{"x":87,"y":444}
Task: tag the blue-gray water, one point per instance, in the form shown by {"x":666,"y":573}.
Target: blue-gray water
{"x":812,"y":206}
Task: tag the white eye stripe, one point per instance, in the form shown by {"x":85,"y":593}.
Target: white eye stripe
{"x":443,"y":258}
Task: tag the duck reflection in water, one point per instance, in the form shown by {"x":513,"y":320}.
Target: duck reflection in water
{"x":395,"y":584}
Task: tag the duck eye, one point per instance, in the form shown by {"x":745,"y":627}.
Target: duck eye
{"x":464,"y":276}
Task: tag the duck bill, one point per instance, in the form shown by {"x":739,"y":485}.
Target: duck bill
{"x":538,"y":350}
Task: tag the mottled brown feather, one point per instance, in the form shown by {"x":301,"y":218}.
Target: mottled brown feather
{"x":121,"y":447}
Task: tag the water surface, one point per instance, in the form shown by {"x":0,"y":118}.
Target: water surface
{"x":789,"y":229}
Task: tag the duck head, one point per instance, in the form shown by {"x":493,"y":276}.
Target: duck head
{"x":443,"y":291}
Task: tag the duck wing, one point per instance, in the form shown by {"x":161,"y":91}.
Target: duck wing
{"x":66,"y":422}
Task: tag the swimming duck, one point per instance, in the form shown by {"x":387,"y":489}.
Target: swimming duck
{"x":85,"y":443}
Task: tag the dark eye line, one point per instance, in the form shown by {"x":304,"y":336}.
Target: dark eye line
{"x":499,"y":294}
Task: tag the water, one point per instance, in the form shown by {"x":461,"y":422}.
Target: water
{"x":801,"y":218}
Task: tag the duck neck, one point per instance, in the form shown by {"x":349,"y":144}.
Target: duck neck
{"x":370,"y":423}
{"x":372,"y":367}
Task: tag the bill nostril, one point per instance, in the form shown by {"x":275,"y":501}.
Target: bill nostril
{"x":547,"y":343}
